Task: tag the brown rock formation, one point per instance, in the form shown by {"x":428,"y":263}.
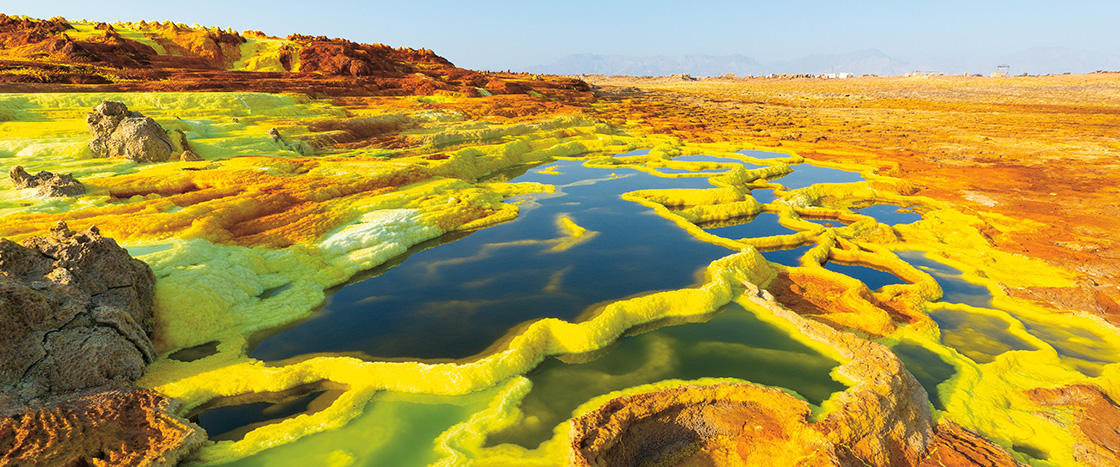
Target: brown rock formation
{"x":75,"y":311}
{"x":48,"y":183}
{"x":957,"y":447}
{"x":41,"y":56}
{"x":1096,"y":415}
{"x":189,"y":156}
{"x":882,"y":420}
{"x":118,"y":132}
{"x":129,"y":427}
{"x":727,"y":425}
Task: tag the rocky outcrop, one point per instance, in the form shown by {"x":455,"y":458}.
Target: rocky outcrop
{"x":119,"y":132}
{"x":882,"y":420}
{"x":1096,"y":416}
{"x":47,"y":183}
{"x":703,"y":425}
{"x":189,"y":156}
{"x":75,"y":313}
{"x":957,"y":447}
{"x":128,"y":427}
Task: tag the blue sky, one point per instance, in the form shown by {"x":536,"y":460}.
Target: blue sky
{"x":492,"y":34}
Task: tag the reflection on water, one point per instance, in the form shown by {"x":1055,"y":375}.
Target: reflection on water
{"x":790,"y":257}
{"x":978,"y":336}
{"x":665,"y":170}
{"x":890,"y":214}
{"x":1078,"y":346}
{"x":874,"y":278}
{"x":763,"y":154}
{"x":232,"y":422}
{"x":927,"y":367}
{"x":394,"y":429}
{"x":764,"y":196}
{"x":724,"y":160}
{"x":764,"y":224}
{"x":806,"y":174}
{"x":638,"y":152}
{"x":733,"y":344}
{"x":830,"y":223}
{"x":954,"y":288}
{"x":454,"y":300}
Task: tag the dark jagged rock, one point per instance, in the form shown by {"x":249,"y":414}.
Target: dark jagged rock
{"x":75,"y":313}
{"x":48,"y":183}
{"x":119,"y":132}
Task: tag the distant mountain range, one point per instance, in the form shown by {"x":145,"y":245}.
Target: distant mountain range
{"x":1039,"y":60}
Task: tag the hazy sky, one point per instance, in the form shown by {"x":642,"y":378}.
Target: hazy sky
{"x":491,"y":34}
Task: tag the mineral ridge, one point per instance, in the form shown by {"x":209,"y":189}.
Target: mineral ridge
{"x":310,"y":160}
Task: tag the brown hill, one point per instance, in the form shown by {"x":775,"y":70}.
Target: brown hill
{"x":56,"y":54}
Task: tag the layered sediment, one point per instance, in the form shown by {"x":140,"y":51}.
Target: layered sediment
{"x":273,"y":200}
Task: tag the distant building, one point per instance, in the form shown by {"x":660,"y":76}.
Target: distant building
{"x":836,"y":75}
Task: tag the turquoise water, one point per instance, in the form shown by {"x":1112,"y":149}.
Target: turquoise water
{"x":732,"y":344}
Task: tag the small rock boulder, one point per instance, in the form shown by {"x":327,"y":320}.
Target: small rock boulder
{"x":47,"y":183}
{"x":189,"y":156}
{"x":75,"y":313}
{"x":119,"y":132}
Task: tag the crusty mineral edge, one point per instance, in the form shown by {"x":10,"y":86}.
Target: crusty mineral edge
{"x":882,"y":420}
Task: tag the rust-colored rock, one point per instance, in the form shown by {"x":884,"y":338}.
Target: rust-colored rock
{"x":726,"y":425}
{"x":43,"y":53}
{"x":1097,"y":417}
{"x":47,"y":183}
{"x":127,"y":427}
{"x":957,"y":447}
{"x":1031,"y":149}
{"x":882,"y":420}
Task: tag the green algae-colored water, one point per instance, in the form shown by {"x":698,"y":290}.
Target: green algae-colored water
{"x":732,"y":344}
{"x":452,"y":297}
{"x":927,"y":367}
{"x":416,"y":421}
{"x":978,"y":336}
